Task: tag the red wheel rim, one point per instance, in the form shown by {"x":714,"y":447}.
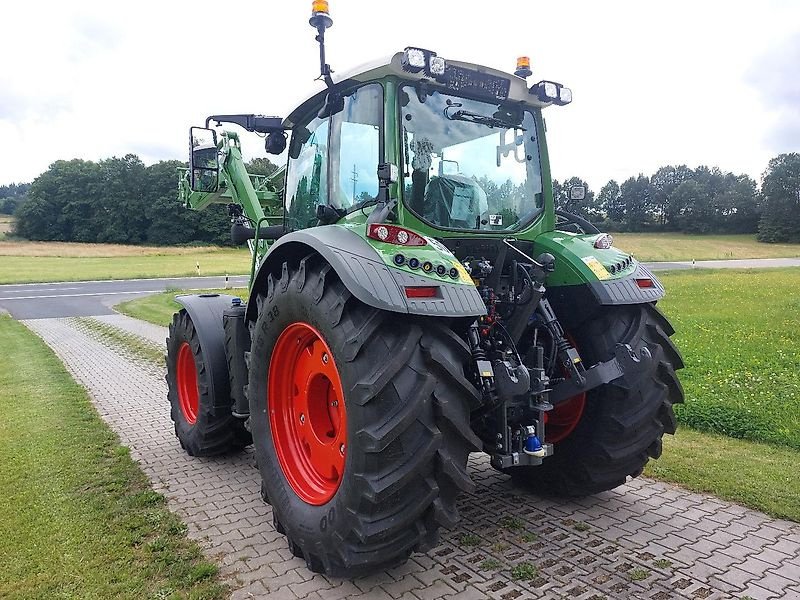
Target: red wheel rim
{"x":307,"y":413}
{"x":564,"y":418}
{"x":188,"y":391}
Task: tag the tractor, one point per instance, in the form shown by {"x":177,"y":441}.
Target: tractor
{"x":414,"y":297}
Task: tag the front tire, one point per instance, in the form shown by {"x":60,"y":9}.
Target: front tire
{"x":621,"y":425}
{"x":382,"y":468}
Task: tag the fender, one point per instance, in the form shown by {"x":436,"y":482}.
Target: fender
{"x":364,"y":273}
{"x":205,"y":311}
{"x":587,"y":278}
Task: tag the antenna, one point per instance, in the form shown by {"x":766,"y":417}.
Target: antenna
{"x":321,"y":20}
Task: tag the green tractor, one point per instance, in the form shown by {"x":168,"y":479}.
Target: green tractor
{"x":414,"y":297}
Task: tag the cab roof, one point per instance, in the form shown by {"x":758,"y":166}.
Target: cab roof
{"x":393,"y":66}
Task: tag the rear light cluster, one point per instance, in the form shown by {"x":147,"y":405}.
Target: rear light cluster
{"x":620,"y":266}
{"x":392,"y":234}
{"x":427,"y":266}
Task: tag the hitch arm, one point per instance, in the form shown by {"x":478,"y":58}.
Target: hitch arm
{"x":626,"y":363}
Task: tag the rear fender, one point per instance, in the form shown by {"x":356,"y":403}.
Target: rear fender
{"x":364,"y":272}
{"x":205,"y":311}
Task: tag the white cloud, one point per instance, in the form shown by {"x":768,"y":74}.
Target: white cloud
{"x":654,"y":84}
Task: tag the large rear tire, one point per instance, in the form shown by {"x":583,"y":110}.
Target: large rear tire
{"x":621,"y":426}
{"x":203,"y":424}
{"x":361,"y":455}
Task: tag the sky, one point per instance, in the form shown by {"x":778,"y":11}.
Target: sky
{"x":677,"y":82}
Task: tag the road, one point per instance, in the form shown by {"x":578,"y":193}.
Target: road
{"x":95,"y":298}
{"x":747,"y":263}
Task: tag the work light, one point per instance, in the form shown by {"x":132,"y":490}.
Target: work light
{"x":550,"y":91}
{"x":416,"y":59}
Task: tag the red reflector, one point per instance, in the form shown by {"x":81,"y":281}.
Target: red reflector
{"x":422,"y":292}
{"x":644,"y":283}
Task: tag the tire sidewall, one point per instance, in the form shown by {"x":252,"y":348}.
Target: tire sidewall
{"x":310,"y":524}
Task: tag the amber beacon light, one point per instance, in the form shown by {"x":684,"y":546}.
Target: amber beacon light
{"x":523,"y":67}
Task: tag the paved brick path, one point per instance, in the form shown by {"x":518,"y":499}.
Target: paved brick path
{"x":644,"y":540}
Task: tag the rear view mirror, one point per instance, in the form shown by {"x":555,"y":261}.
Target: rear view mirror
{"x":577,"y":192}
{"x":203,"y":160}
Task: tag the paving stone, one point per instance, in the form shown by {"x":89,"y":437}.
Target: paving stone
{"x":718,"y":549}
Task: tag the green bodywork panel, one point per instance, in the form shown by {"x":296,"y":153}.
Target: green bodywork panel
{"x":578,"y":261}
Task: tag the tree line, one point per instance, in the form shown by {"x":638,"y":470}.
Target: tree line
{"x":11,"y":196}
{"x":120,"y":200}
{"x":701,"y":200}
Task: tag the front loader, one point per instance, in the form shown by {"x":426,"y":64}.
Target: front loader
{"x":414,"y":297}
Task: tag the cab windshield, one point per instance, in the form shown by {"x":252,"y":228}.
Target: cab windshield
{"x":469,"y":164}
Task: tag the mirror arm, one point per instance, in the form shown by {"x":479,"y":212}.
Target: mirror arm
{"x":255,"y":123}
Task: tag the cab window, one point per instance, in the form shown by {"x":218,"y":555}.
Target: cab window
{"x":307,"y":178}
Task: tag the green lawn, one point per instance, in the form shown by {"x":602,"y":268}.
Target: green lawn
{"x":24,"y":262}
{"x":761,"y":476}
{"x":79,"y":519}
{"x":159,"y":308}
{"x":738,"y":333}
{"x":678,"y":246}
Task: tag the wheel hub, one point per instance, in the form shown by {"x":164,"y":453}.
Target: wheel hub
{"x":307,"y":413}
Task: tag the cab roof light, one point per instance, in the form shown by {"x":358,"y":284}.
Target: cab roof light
{"x":552,"y":92}
{"x":418,"y":59}
{"x":392,"y":234}
{"x":523,"y":67}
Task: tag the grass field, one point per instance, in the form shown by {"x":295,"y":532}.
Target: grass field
{"x":22,"y":262}
{"x":79,"y":519}
{"x":738,"y":332}
{"x":159,"y":308}
{"x":676,"y":246}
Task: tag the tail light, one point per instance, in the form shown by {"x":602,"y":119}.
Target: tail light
{"x":392,"y":234}
{"x":422,"y":292}
{"x":644,"y":282}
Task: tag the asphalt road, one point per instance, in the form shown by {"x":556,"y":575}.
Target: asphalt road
{"x":93,"y":298}
{"x":748,"y":263}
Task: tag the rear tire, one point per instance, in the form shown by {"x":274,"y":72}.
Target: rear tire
{"x":405,"y":414}
{"x":203,"y":424}
{"x":621,"y":426}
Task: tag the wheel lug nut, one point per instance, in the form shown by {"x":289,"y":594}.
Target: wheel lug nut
{"x":325,"y":358}
{"x":335,"y":403}
{"x":341,"y":449}
{"x":302,"y":418}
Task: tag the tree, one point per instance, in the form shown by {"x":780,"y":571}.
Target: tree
{"x":780,"y":189}
{"x":635,"y":198}
{"x":663,"y":183}
{"x":609,"y":201}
